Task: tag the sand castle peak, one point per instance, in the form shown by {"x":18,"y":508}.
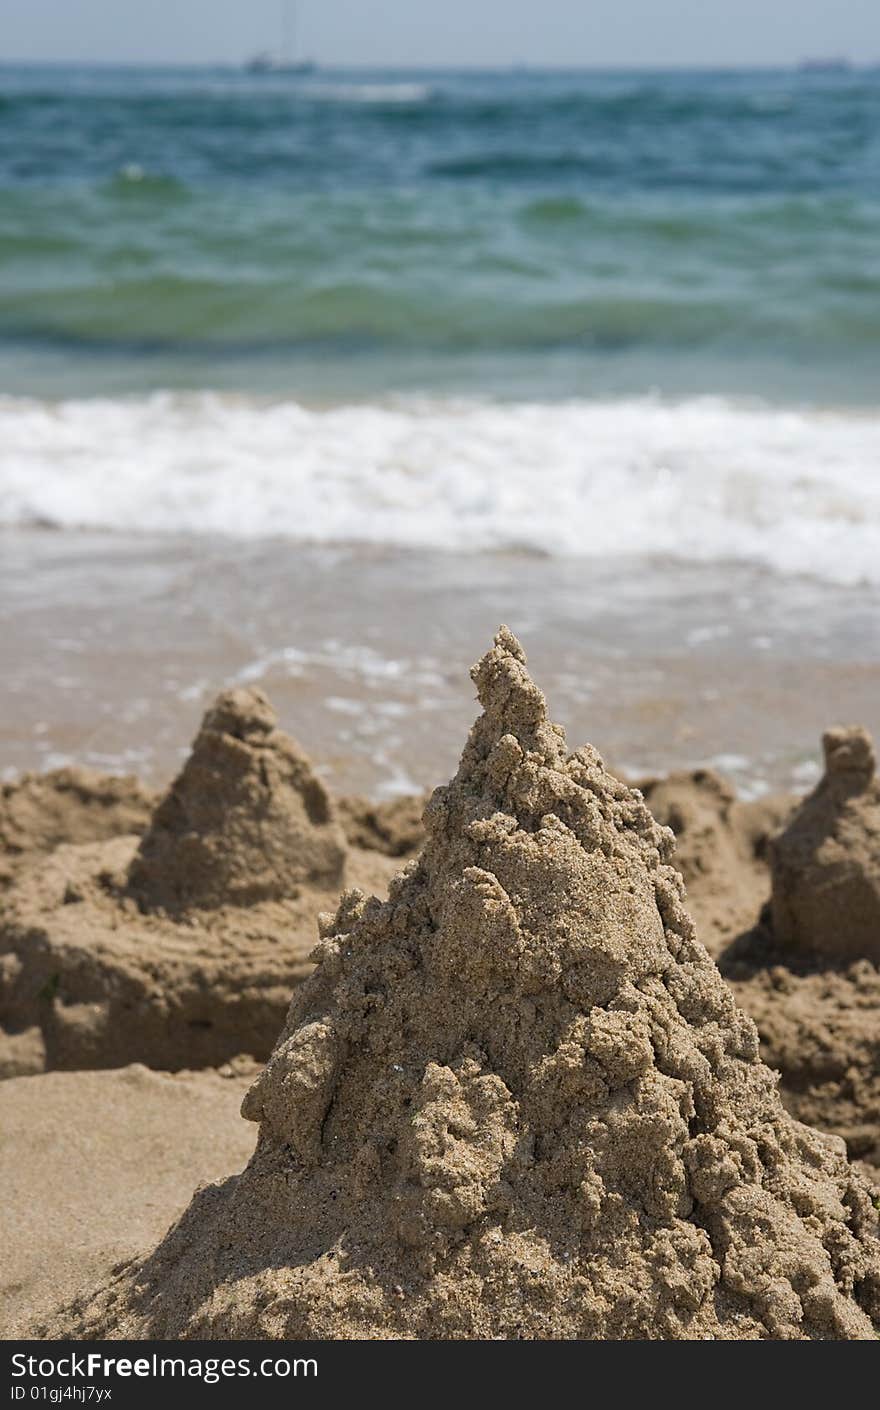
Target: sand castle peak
{"x":849,"y":753}
{"x":245,"y":820}
{"x":514,"y":720}
{"x":242,"y":713}
{"x":505,"y":689}
{"x":517,"y":1099}
{"x":515,"y":772}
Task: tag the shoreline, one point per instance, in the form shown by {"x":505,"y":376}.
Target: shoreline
{"x":114,"y":645}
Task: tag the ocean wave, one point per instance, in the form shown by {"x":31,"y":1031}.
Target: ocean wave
{"x":141,"y":260}
{"x":207,"y":314}
{"x":702,"y":480}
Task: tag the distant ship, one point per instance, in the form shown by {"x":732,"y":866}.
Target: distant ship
{"x":270,"y":63}
{"x":285,"y":61}
{"x":837,"y":64}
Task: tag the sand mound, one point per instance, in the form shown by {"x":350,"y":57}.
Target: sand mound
{"x":721,"y":848}
{"x":815,"y":1003}
{"x":179,"y":950}
{"x":246,"y":820}
{"x":41,"y":811}
{"x":90,"y":1179}
{"x":826,"y":864}
{"x":517,"y":1100}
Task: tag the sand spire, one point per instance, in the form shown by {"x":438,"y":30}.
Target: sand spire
{"x":809,"y":972}
{"x":517,"y":1100}
{"x":246,"y":819}
{"x":825,"y":865}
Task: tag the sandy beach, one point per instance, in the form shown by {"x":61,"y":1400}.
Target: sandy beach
{"x":86,"y":902}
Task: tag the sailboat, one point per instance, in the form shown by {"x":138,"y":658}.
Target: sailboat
{"x":285,"y":61}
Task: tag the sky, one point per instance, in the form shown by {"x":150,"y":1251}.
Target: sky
{"x":446,"y":32}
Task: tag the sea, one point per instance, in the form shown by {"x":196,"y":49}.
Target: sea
{"x":309,"y":381}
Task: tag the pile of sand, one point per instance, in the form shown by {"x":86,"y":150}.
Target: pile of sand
{"x":517,"y":1100}
{"x":825,"y":865}
{"x":179,"y":949}
{"x":810,"y":974}
{"x":721,"y":848}
{"x":245,"y":821}
{"x":39,"y":812}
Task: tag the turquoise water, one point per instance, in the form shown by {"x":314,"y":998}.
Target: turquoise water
{"x":350,"y":234}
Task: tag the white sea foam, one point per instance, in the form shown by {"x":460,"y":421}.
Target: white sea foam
{"x":369,"y":92}
{"x":703,"y":480}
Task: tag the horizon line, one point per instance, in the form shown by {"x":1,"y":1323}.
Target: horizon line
{"x":609,"y":65}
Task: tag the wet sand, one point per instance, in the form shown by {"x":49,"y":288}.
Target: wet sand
{"x":114,"y":646}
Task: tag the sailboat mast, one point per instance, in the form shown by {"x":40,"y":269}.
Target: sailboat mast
{"x":288,"y":31}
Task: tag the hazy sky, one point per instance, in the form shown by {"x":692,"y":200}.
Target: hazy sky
{"x":446,"y":31}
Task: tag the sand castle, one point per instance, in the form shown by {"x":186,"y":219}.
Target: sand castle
{"x":517,"y":1100}
{"x":246,"y":820}
{"x":180,"y":948}
{"x":810,"y":976}
{"x":826,"y":864}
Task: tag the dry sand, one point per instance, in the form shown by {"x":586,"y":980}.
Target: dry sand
{"x":94,"y":1166}
{"x":517,"y":1100}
